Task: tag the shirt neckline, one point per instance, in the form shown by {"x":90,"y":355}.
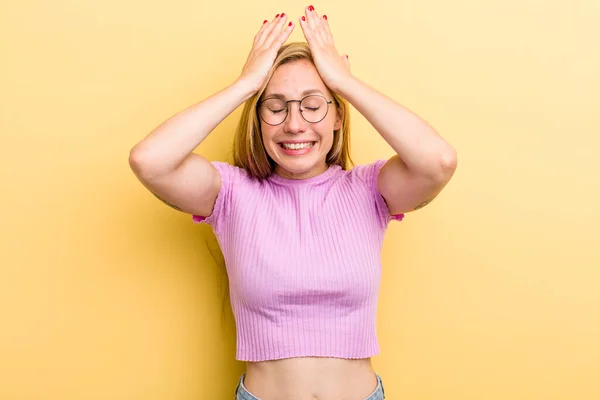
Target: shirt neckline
{"x":315,"y":179}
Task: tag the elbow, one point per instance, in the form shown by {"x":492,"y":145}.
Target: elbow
{"x":148,"y":167}
{"x":449,"y":160}
{"x":135,"y":160}
{"x":140,"y":165}
{"x":445,"y":164}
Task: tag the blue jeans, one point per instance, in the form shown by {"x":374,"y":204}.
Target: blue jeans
{"x":241,"y":393}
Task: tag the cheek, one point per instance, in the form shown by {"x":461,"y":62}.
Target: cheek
{"x":331,"y":119}
{"x":325,"y":128}
{"x":267,"y":134}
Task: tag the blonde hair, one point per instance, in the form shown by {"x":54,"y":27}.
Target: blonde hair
{"x":248,"y":147}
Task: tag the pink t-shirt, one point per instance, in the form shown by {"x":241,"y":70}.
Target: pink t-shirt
{"x":303,"y":260}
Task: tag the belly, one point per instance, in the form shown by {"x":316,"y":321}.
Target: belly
{"x":311,"y":378}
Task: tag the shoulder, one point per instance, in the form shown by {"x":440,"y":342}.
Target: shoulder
{"x":365,"y":173}
{"x":226,"y":167}
{"x":230,"y":174}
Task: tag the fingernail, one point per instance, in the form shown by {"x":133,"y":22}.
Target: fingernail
{"x":282,"y":15}
{"x":311,"y":8}
{"x":290,"y":24}
{"x":347,"y":56}
{"x":324,"y":16}
{"x":277,"y":16}
{"x":303,"y":19}
{"x":265,"y":22}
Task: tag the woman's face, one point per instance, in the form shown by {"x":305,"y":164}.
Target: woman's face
{"x":294,"y":81}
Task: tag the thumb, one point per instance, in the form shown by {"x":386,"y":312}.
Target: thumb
{"x":346,"y":60}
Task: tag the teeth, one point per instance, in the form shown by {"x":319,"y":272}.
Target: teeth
{"x":297,"y":146}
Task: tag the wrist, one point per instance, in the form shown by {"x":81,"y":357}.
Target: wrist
{"x":344,"y":85}
{"x":246,"y":88}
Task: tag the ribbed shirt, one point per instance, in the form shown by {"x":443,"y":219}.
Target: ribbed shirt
{"x":303,"y":259}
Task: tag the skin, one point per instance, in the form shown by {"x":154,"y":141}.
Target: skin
{"x":311,"y":378}
{"x":292,"y":81}
{"x":412,"y":178}
{"x":305,"y":378}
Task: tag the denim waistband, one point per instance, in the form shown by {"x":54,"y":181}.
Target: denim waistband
{"x":241,"y":393}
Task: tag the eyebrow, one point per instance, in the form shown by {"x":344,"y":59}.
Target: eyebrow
{"x":304,"y":93}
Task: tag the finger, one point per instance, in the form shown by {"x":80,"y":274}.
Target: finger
{"x":275,"y":31}
{"x":266,"y":30}
{"x":316,"y":23}
{"x":312,"y":17}
{"x":260,"y":32}
{"x":285,"y":34}
{"x":326,"y":32}
{"x":309,"y":33}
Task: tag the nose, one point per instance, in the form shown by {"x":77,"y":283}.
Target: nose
{"x":294,"y":122}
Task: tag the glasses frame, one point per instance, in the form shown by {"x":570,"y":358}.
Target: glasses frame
{"x":287,"y":108}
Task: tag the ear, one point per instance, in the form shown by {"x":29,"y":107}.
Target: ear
{"x":339,"y":117}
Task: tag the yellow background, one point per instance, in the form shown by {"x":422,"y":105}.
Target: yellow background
{"x":490,"y":292}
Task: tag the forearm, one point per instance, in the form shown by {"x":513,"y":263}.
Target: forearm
{"x":167,"y":146}
{"x":419,"y":146}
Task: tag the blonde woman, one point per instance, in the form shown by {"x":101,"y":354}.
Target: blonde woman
{"x":300,"y":231}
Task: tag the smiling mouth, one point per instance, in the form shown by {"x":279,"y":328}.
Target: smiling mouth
{"x":296,"y":146}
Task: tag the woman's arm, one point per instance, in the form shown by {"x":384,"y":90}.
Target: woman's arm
{"x":166,"y":147}
{"x":164,"y":161}
{"x":424,"y":162}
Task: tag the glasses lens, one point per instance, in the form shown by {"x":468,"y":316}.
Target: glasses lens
{"x":314,"y":108}
{"x":273,"y":111}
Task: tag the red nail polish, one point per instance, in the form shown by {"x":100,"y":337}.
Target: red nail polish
{"x":311,"y":8}
{"x":282,"y":15}
{"x":277,"y":16}
{"x":290,"y":24}
{"x":303,"y":19}
{"x":324,"y":16}
{"x":265,"y":22}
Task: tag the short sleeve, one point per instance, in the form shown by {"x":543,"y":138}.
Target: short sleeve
{"x":219,"y":216}
{"x":369,"y":174}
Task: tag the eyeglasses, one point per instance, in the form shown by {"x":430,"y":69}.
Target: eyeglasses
{"x":313,"y":109}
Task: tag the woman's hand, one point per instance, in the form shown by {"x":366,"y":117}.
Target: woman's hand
{"x":267,"y":42}
{"x":334,"y":70}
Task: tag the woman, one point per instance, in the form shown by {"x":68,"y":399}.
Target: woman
{"x":300,"y":233}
